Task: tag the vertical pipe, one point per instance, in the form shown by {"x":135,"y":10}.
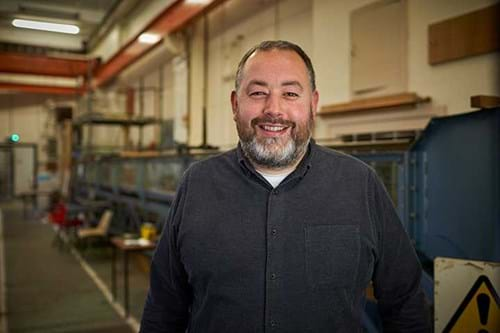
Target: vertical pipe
{"x":160,"y":105}
{"x":90,"y":94}
{"x":141,"y":110}
{"x":187,"y":46}
{"x":205,"y":78}
{"x":35,"y":175}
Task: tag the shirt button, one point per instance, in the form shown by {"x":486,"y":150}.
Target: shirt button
{"x":274,"y":232}
{"x":276,"y":192}
{"x":273,"y":276}
{"x":274,"y":323}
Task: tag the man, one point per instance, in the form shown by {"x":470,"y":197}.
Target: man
{"x":280,"y":234}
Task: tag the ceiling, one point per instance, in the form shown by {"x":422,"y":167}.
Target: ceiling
{"x":36,"y":61}
{"x":88,"y":15}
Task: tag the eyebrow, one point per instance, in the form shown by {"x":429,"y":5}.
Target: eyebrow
{"x":257,"y":82}
{"x":284,"y":84}
{"x":292,"y":83}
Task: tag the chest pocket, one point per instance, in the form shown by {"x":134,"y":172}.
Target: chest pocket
{"x":332,"y":255}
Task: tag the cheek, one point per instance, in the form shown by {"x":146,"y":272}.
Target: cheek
{"x":247,"y":112}
{"x":301,"y":114}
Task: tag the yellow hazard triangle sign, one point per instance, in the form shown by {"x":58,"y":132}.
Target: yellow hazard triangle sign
{"x":479,"y":311}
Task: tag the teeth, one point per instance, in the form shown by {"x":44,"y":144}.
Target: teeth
{"x":273,"y":128}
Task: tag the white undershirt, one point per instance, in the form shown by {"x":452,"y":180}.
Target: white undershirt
{"x":275,"y":180}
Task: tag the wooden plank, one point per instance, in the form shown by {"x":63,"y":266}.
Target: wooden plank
{"x":374,"y":103}
{"x":143,"y":153}
{"x":463,"y":36}
{"x":485,"y":102}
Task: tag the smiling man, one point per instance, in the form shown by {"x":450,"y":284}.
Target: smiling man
{"x":280,"y":234}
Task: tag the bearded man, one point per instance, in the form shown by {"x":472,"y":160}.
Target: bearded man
{"x":280,"y":234}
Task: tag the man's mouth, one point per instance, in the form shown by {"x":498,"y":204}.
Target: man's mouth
{"x":273,"y":128}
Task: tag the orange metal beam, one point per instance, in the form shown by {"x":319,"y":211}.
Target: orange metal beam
{"x":41,"y":89}
{"x":172,"y":19}
{"x":43,"y":65}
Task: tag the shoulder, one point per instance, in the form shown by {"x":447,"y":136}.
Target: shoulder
{"x":213,"y":162}
{"x":211,"y":168}
{"x":335,"y":160}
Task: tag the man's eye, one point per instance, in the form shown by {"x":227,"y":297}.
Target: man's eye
{"x":291,"y":94}
{"x":257,"y":93}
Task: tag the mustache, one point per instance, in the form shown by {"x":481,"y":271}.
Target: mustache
{"x":272,"y":120}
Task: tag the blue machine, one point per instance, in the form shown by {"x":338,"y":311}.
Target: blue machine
{"x":446,"y":188}
{"x":454,"y":195}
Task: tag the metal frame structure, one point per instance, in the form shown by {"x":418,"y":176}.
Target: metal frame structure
{"x":107,"y":179}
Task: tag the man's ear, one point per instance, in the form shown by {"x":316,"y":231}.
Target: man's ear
{"x":234,"y":103}
{"x":314,"y":103}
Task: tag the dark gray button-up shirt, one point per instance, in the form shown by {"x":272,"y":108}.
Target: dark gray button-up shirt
{"x":237,"y":255}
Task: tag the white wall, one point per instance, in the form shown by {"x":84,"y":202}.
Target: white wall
{"x":29,"y":115}
{"x":452,"y":83}
{"x":286,"y":19}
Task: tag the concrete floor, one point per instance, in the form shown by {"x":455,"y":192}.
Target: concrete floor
{"x":47,"y":290}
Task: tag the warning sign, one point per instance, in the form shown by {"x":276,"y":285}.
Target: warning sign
{"x":479,"y":311}
{"x":466,"y":296}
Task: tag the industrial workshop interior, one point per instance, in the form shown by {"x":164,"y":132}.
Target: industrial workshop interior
{"x":105,"y":104}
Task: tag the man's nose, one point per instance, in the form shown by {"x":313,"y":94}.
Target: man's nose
{"x":273,"y":105}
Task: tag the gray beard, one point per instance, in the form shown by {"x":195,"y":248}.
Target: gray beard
{"x":263,"y":154}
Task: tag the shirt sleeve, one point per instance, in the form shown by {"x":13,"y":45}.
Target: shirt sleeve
{"x":169,"y":297}
{"x":397,"y":274}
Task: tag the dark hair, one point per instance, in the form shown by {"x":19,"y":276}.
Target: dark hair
{"x":270,"y":45}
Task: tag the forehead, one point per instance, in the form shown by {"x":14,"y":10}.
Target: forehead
{"x":275,"y":64}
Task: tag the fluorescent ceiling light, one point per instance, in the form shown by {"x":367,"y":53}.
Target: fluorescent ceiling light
{"x":148,"y":38}
{"x":46,"y":26}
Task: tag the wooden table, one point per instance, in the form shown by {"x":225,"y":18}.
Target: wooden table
{"x":126,"y":246}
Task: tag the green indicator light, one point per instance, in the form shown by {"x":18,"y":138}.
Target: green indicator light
{"x":14,"y":138}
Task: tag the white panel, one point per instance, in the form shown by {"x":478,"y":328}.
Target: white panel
{"x":25,"y":123}
{"x":402,"y":119}
{"x":24,"y":164}
{"x":378,"y":54}
{"x":331,"y":46}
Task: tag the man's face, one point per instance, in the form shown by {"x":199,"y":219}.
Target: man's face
{"x":274,"y":108}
